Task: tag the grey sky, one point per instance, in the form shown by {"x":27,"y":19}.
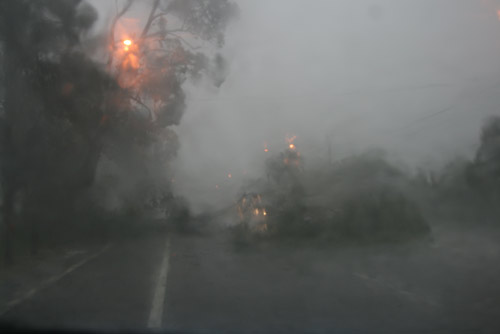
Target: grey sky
{"x":362,"y":73}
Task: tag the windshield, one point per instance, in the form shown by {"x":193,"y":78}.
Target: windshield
{"x":250,"y":166}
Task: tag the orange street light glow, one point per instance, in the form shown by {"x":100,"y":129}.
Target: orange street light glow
{"x":290,"y":142}
{"x":266,"y":150}
{"x":127,"y":42}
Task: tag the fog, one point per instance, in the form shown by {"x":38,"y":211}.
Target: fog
{"x":337,"y":161}
{"x":416,"y":78}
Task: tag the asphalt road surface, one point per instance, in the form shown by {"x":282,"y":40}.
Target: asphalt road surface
{"x":202,"y":283}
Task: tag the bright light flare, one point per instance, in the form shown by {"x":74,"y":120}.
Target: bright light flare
{"x":126,"y":44}
{"x":290,"y":141}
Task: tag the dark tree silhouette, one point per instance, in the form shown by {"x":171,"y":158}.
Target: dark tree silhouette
{"x":61,"y":110}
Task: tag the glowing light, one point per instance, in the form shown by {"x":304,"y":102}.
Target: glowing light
{"x":290,"y":140}
{"x":126,"y":44}
{"x":264,"y":212}
{"x":131,"y":62}
{"x":266,"y":150}
{"x":256,"y":211}
{"x":229,"y":175}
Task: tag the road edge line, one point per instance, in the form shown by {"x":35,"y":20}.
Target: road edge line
{"x":156,"y":313}
{"x":13,"y":303}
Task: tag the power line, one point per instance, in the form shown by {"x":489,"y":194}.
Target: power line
{"x":301,"y":96}
{"x":443,"y":111}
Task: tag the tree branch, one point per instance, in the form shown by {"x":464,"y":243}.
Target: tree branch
{"x":159,"y":34}
{"x":142,"y":104}
{"x":150,"y":19}
{"x":111,"y":37}
{"x":183,"y":40}
{"x":158,"y":15}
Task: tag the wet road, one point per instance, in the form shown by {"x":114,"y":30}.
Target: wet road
{"x":112,"y":290}
{"x":204,"y":284}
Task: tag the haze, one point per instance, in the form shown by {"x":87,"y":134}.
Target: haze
{"x":358,"y":73}
{"x":416,"y":78}
{"x":381,"y":217}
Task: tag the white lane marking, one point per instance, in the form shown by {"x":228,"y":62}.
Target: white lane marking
{"x":13,"y":303}
{"x":156,"y":313}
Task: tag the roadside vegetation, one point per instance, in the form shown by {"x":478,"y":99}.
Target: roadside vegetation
{"x":365,"y":199}
{"x":86,"y":118}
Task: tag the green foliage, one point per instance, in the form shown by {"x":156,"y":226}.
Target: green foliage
{"x":205,"y":18}
{"x":139,"y":137}
{"x":53,"y":97}
{"x":284,"y":168}
{"x":380,"y":216}
{"x":469,"y":191}
{"x":359,"y":200}
{"x":486,"y":169}
{"x":61,"y":111}
{"x":291,"y":223}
